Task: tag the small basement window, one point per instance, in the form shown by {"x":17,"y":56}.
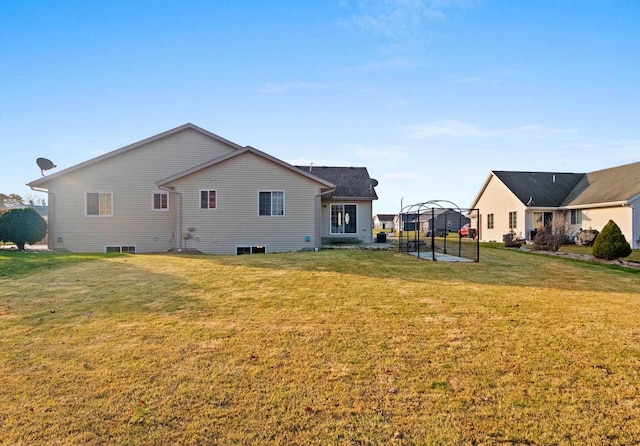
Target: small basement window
{"x":121,"y":249}
{"x":250,"y":250}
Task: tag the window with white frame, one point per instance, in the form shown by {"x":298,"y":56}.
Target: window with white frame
{"x":99,"y":204}
{"x":576,"y":216}
{"x":489,"y":221}
{"x":120,"y":249}
{"x":208,"y":199}
{"x":271,"y":203}
{"x":160,"y":201}
{"x":513,"y":220}
{"x":343,"y":219}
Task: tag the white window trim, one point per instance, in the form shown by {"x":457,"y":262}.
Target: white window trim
{"x":153,"y":201}
{"x":200,"y":199}
{"x":284,"y":203}
{"x":346,"y":234}
{"x":99,"y":192}
{"x":576,"y":214}
{"x":135,"y":248}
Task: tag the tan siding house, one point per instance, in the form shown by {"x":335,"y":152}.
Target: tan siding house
{"x":523,"y":202}
{"x":189,"y":189}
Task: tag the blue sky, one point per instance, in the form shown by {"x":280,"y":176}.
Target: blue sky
{"x":429,"y":95}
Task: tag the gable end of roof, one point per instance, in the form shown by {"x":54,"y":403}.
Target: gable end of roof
{"x":127,"y":148}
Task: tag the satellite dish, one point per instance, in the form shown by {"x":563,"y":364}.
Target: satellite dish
{"x":45,"y":164}
{"x":373,"y":182}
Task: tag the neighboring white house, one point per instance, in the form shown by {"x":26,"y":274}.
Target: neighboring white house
{"x":522,"y":202}
{"x":189,"y":189}
{"x":383,"y":221}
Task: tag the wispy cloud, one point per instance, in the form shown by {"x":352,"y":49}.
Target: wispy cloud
{"x":477,"y":80}
{"x":399,"y":176}
{"x":383,"y":65}
{"x":471,"y":80}
{"x":630,"y":153}
{"x":491,"y":79}
{"x":383,"y":153}
{"x":402,"y":19}
{"x":620,"y":152}
{"x":274,"y":88}
{"x":463,"y":129}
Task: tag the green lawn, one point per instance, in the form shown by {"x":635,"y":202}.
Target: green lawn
{"x":339,"y":347}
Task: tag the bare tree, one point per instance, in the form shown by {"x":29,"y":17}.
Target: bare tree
{"x":552,"y":236}
{"x":10,"y":200}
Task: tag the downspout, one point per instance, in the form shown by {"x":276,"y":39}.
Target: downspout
{"x":51,"y":219}
{"x":178,"y":233}
{"x":635,"y":233}
{"x":318,"y":199}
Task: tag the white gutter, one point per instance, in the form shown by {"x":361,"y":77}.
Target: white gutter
{"x":178,"y":233}
{"x":595,"y":205}
{"x":578,"y":206}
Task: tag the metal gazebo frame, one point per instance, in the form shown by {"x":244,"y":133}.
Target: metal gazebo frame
{"x":412,"y":241}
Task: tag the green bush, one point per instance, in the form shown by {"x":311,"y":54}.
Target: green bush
{"x":610,"y":243}
{"x":22,"y":226}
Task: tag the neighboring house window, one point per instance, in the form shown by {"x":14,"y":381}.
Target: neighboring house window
{"x":208,"y":199}
{"x":160,"y":201}
{"x":489,"y":221}
{"x":343,"y":219}
{"x":99,"y":204}
{"x":250,"y":250}
{"x":576,"y":217}
{"x":121,"y":249}
{"x":271,"y":203}
{"x":513,"y":220}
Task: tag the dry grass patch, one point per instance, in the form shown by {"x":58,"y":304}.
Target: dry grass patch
{"x":339,"y":347}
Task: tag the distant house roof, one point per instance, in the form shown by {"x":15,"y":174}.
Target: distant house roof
{"x":350,"y":182}
{"x":548,"y":189}
{"x":385,"y":217}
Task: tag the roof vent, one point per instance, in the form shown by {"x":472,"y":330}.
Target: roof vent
{"x":531,"y":202}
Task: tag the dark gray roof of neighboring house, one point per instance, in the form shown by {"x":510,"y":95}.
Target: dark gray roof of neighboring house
{"x":386,"y":217}
{"x":614,"y":184}
{"x":351,"y":182}
{"x":540,"y":189}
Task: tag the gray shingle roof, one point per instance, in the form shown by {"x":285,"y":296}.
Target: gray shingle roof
{"x":548,"y":189}
{"x":351,"y":182}
{"x":615,"y":184}
{"x":542,"y":189}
